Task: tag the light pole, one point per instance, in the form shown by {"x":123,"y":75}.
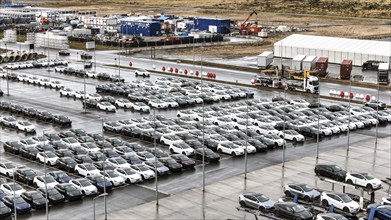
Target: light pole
{"x":46,"y":185}
{"x":8,"y":87}
{"x":13,"y":179}
{"x":350,"y":91}
{"x":283,"y":126}
{"x":154,"y":144}
{"x":245,"y":153}
{"x":203,"y":131}
{"x":84,"y":82}
{"x":377,"y":113}
{"x":317,"y":134}
{"x":104,"y":176}
{"x":97,"y":197}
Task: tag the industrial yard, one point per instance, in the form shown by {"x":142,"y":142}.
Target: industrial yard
{"x":195,"y":110}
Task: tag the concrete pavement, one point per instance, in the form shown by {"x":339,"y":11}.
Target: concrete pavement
{"x":220,"y":199}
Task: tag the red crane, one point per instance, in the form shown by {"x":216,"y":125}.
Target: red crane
{"x":245,"y":26}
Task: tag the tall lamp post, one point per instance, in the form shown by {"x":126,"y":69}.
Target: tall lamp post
{"x":97,"y":197}
{"x":104,"y":177}
{"x":46,"y":185}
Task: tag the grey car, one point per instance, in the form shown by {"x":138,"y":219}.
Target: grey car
{"x":161,"y":169}
{"x":302,"y":190}
{"x":256,"y":201}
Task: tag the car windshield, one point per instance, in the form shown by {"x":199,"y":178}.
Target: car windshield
{"x":143,"y":168}
{"x":129,"y":171}
{"x":36,"y":195}
{"x":19,"y":200}
{"x":298,"y":208}
{"x":52,"y":191}
{"x":69,"y":187}
{"x":336,"y":168}
{"x":29,"y":173}
{"x":306,"y":188}
{"x":62,"y":175}
{"x":49,"y":179}
{"x":345,"y":198}
{"x":84,"y":182}
{"x":171,"y":161}
{"x":50,"y":155}
{"x":15,"y":187}
{"x":9,"y":165}
{"x":368,"y":176}
{"x":261,"y":197}
{"x":89,"y":167}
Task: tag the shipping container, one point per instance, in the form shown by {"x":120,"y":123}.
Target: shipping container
{"x":309,"y":62}
{"x":383,"y":76}
{"x":321,"y":66}
{"x":141,"y":28}
{"x":346,"y":69}
{"x":264,"y":59}
{"x":297,"y":62}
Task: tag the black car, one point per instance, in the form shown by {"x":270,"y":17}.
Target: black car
{"x":58,"y":145}
{"x":79,"y":132}
{"x":376,"y":105}
{"x":261,"y":147}
{"x":150,"y":136}
{"x":97,"y":156}
{"x":25,"y":175}
{"x":82,"y":158}
{"x":12,"y":147}
{"x":44,"y":115}
{"x":21,"y":205}
{"x":131,"y":132}
{"x":52,"y":137}
{"x":171,"y":164}
{"x":210,"y":156}
{"x":109,"y":153}
{"x":60,"y":176}
{"x":103,"y":164}
{"x":104,"y":144}
{"x":291,"y":210}
{"x":64,"y":153}
{"x":29,"y":152}
{"x":331,"y":171}
{"x":45,"y":147}
{"x":66,"y":163}
{"x":90,"y":103}
{"x":85,"y":56}
{"x":101,"y":183}
{"x":132,"y":159}
{"x":67,"y":134}
{"x":97,"y":136}
{"x":35,"y":199}
{"x":62,"y":120}
{"x":124,"y":150}
{"x":30,"y":112}
{"x":194,"y":143}
{"x":309,"y":131}
{"x":102,"y":89}
{"x":64,"y":53}
{"x":103,"y":76}
{"x":116,"y":142}
{"x":5,"y":211}
{"x":159,"y":153}
{"x":183,"y":160}
{"x":69,"y":191}
{"x":209,"y":143}
{"x":53,"y":195}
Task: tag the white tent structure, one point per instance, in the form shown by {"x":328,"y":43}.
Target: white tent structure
{"x":336,"y":49}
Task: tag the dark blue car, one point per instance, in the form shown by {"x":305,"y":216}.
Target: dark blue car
{"x":21,"y":205}
{"x":4,"y":210}
{"x":100,"y":182}
{"x":383,"y":212}
{"x":60,"y":176}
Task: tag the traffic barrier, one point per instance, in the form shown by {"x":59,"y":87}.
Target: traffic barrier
{"x":373,"y":98}
{"x":357,"y":96}
{"x":337,"y":92}
{"x":191,"y":72}
{"x":153,"y":67}
{"x":176,"y":70}
{"x":185,"y":71}
{"x":197,"y":73}
{"x":131,"y":64}
{"x":351,"y":95}
{"x":346,"y":94}
{"x":171,"y":69}
{"x":362,"y":96}
{"x":342,"y":94}
{"x":180,"y":71}
{"x":164,"y":69}
{"x":367,"y":98}
{"x":331,"y":92}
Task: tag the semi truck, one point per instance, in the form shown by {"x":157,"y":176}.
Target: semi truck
{"x":307,"y":83}
{"x":383,"y":74}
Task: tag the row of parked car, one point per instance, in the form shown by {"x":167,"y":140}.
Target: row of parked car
{"x":34,"y":80}
{"x":30,"y":112}
{"x":88,"y":74}
{"x":345,"y":203}
{"x":36,"y":64}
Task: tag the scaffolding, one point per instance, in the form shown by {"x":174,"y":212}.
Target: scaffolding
{"x":51,"y":40}
{"x":10,"y":35}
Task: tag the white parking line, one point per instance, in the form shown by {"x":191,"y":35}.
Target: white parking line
{"x":153,"y":189}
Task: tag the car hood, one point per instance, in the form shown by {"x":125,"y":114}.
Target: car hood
{"x":375,"y":181}
{"x":304,"y":214}
{"x":269,"y":203}
{"x":64,"y":180}
{"x":313,"y":193}
{"x":23,"y":206}
{"x":163,"y":169}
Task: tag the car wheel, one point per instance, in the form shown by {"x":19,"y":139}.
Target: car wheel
{"x":350,"y":182}
{"x":83,"y":192}
{"x":220,"y":151}
{"x":233,"y":154}
{"x":184,"y":153}
{"x":307,"y":198}
{"x":128,"y":181}
{"x":262,"y":209}
{"x":369,"y":186}
{"x":242,"y":204}
{"x":77,"y":172}
{"x":294,"y":140}
{"x":346,"y":209}
{"x":171,"y":150}
{"x":325,"y":203}
{"x":288,"y":193}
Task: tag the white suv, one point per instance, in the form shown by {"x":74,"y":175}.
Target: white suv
{"x":340,"y":201}
{"x":363,"y":179}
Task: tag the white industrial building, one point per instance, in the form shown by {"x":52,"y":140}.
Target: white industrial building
{"x":335,"y":48}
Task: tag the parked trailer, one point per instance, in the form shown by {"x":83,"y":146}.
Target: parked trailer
{"x":321,"y":66}
{"x":346,"y":69}
{"x":297,"y":62}
{"x":309,"y":62}
{"x":308,"y":84}
{"x":268,"y":81}
{"x":264,"y":59}
{"x":383,"y":76}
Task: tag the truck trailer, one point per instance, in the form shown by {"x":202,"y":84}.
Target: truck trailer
{"x":383,"y":74}
{"x":264,"y":59}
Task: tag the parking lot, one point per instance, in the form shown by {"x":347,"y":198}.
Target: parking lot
{"x":44,"y":98}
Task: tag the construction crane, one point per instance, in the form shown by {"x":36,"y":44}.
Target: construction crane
{"x":245,"y":28}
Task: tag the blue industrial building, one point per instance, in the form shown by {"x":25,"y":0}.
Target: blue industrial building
{"x":143,"y":28}
{"x":222,"y":26}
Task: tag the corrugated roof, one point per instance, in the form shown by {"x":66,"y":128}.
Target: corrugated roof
{"x":380,"y":48}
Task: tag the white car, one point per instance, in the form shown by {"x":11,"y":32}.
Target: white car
{"x":230,"y":148}
{"x":186,"y":113}
{"x":71,"y":142}
{"x":267,"y":129}
{"x":92,"y":74}
{"x":340,"y":201}
{"x":197,"y":99}
{"x":171,"y":103}
{"x":85,"y":186}
{"x":129,"y":175}
{"x":224,"y":121}
{"x":144,"y":171}
{"x":79,"y":95}
{"x":241,"y":125}
{"x":250,"y":148}
{"x":44,"y":82}
{"x":118,"y":162}
{"x":170,"y":139}
{"x":299,"y":102}
{"x":114,"y":178}
{"x":181,"y":148}
{"x":55,"y":84}
{"x":86,"y":169}
{"x":22,"y":78}
{"x":157,"y":103}
{"x":25,"y":126}
{"x":59,"y":69}
{"x":278,"y":142}
{"x":140,"y":106}
{"x":90,"y":147}
{"x":386,"y":201}
{"x":94,"y":96}
{"x":49,"y":157}
{"x":41,"y":181}
{"x":142,"y":72}
{"x":123,"y":103}
{"x":33,"y":80}
{"x":7,"y":169}
{"x":67,"y":92}
{"x":363,"y":179}
{"x":29,"y":143}
{"x":330,"y":216}
{"x":11,"y":188}
{"x":106,"y":106}
{"x":292,"y":135}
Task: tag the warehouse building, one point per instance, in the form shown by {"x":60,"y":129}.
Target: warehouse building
{"x":141,"y":28}
{"x":336,"y":49}
{"x":214,"y":25}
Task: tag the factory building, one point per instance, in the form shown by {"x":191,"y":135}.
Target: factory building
{"x":141,"y":28}
{"x":336,"y":49}
{"x":214,"y":25}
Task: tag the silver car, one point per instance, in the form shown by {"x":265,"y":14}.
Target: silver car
{"x":256,"y":201}
{"x":302,"y":190}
